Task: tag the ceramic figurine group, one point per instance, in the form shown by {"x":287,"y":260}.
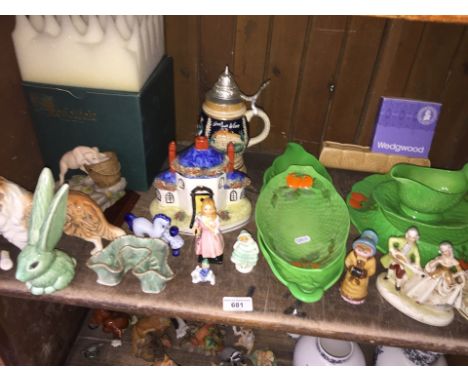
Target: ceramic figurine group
{"x":209,"y":245}
{"x":426,"y":294}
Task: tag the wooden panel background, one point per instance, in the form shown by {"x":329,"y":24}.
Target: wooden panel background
{"x":327,"y":74}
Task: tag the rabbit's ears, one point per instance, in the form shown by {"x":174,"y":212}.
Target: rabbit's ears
{"x":48,"y":212}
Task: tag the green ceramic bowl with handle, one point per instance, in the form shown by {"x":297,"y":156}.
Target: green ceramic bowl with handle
{"x":427,"y":192}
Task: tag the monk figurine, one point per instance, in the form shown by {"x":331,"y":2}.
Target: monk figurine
{"x":360,"y":266}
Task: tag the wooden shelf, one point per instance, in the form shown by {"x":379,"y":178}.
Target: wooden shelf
{"x":374,"y":322}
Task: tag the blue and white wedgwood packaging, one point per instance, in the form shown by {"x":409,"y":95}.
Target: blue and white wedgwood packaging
{"x":392,"y":356}
{"x":316,"y":351}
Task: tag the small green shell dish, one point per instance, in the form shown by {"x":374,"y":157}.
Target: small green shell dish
{"x":145,"y":257}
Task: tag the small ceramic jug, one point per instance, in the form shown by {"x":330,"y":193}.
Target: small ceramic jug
{"x":224,"y":118}
{"x":316,"y":351}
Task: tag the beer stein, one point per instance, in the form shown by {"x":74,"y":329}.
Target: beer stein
{"x":225,"y":118}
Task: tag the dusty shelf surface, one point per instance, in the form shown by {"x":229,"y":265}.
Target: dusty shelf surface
{"x":374,"y":322}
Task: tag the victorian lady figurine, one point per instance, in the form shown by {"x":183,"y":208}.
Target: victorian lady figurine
{"x":442,"y":281}
{"x":360,"y":266}
{"x":209,"y":242}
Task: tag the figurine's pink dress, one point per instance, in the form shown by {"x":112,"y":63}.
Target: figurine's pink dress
{"x":210,"y":243}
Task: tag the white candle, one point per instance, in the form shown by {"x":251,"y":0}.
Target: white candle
{"x":104,"y":52}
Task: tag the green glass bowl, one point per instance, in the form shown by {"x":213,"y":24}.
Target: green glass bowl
{"x":425,"y":192}
{"x":294,"y":154}
{"x":305,"y":230}
{"x":307,"y":285}
{"x":451,"y":225}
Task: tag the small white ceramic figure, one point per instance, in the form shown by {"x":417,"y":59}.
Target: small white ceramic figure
{"x":5,"y":261}
{"x":182,"y":328}
{"x":15,"y":208}
{"x":78,"y":158}
{"x":403,"y":258}
{"x":246,"y":338}
{"x":441,"y":283}
{"x":203,"y":273}
{"x":245,"y":254}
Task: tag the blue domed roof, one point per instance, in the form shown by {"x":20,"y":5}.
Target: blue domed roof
{"x":205,"y":158}
{"x":167,"y":177}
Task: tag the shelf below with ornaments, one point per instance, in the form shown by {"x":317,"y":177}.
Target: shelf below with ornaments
{"x":374,"y":322}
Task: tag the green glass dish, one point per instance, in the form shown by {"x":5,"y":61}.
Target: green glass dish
{"x":294,"y":154}
{"x":307,"y":285}
{"x":369,"y":215}
{"x":425,"y":193}
{"x":305,"y":231}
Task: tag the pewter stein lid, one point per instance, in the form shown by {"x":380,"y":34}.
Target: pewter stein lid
{"x":225,"y":90}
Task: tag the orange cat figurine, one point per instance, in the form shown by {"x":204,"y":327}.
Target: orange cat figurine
{"x":86,"y":220}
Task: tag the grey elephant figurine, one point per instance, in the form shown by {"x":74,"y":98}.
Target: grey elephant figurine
{"x":43,"y":268}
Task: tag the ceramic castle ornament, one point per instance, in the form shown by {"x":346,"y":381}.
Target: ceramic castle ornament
{"x":43,"y":268}
{"x":160,"y":228}
{"x":203,"y":274}
{"x":224,"y":117}
{"x":245,"y":254}
{"x":197,"y":173}
{"x":360,"y":266}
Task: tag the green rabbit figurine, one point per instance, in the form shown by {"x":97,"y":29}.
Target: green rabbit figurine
{"x":43,"y":268}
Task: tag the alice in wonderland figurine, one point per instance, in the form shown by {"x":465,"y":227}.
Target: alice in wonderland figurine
{"x":360,"y":266}
{"x":203,"y":274}
{"x":245,"y":254}
{"x":442,"y":281}
{"x":209,"y":242}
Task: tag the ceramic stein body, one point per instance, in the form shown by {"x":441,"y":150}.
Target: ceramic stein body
{"x":225,"y":118}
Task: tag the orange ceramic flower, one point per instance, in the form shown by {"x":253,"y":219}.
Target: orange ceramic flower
{"x":356,"y":200}
{"x":294,"y":180}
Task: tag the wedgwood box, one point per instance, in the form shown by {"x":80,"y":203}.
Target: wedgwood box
{"x":138,"y":126}
{"x":405,"y":127}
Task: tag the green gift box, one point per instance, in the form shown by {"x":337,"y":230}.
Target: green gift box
{"x":137,"y":126}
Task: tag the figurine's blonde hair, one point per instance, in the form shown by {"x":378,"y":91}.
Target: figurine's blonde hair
{"x":208,"y":201}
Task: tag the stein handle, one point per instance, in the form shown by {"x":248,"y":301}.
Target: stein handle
{"x":266,"y":125}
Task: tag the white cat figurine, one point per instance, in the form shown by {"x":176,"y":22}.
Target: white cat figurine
{"x":15,"y":207}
